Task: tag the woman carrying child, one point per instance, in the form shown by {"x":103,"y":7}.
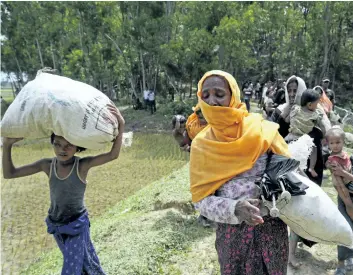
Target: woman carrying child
{"x":67,"y":216}
{"x":340,"y":165}
{"x":294,"y":88}
{"x":303,"y":119}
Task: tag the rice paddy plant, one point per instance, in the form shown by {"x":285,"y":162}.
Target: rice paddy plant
{"x":25,"y":201}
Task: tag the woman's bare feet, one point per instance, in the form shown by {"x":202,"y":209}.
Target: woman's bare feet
{"x":294,"y":262}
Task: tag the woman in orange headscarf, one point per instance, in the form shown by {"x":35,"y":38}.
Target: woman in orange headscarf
{"x":227,"y":157}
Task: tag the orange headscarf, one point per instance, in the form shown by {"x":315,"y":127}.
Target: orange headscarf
{"x":324,"y":100}
{"x":230,"y":144}
{"x":193,"y":126}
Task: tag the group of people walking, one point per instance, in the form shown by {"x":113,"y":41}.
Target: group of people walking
{"x":229,"y":149}
{"x":223,"y":168}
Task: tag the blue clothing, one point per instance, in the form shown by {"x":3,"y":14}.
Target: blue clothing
{"x":76,"y":246}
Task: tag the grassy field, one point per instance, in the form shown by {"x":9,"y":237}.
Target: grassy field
{"x":155,"y":231}
{"x":25,"y":201}
{"x":7,"y":94}
{"x":137,"y":227}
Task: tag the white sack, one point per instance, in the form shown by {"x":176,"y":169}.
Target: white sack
{"x":314,"y":216}
{"x":55,"y":104}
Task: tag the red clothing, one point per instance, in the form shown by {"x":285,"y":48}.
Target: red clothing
{"x":341,"y":159}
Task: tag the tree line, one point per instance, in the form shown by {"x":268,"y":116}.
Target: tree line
{"x":127,"y":47}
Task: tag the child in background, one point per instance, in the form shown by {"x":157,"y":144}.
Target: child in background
{"x":302,"y":121}
{"x":341,"y":167}
{"x":184,"y":131}
{"x":67,"y":217}
{"x":335,"y":138}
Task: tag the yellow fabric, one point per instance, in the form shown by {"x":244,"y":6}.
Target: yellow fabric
{"x":193,"y":126}
{"x":230,"y":144}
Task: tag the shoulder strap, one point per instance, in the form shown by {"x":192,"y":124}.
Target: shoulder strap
{"x":52,"y":167}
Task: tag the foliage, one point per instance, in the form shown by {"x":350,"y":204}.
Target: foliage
{"x":123,"y":48}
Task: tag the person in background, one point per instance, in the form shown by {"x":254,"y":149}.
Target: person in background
{"x":145,"y":98}
{"x":247,"y":93}
{"x":340,"y":165}
{"x":152,"y":101}
{"x":280,"y":95}
{"x":184,"y":131}
{"x":294,"y":88}
{"x":303,"y":119}
{"x":257,"y":90}
{"x":330,"y":94}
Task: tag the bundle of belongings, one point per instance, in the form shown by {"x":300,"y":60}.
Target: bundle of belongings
{"x":68,"y":108}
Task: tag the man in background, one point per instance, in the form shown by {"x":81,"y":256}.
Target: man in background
{"x":152,"y":101}
{"x":330,"y":94}
{"x":145,"y":98}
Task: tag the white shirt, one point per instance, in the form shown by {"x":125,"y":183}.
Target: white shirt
{"x":258,"y":86}
{"x":145,"y":94}
{"x":151,"y":96}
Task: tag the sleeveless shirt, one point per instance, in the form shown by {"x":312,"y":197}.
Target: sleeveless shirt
{"x":66,"y":195}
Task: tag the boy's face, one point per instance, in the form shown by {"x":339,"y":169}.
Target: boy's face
{"x":63,"y":149}
{"x":335,"y":144}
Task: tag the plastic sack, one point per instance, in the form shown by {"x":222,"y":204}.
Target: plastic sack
{"x":55,"y":104}
{"x":314,"y":216}
{"x":276,"y":181}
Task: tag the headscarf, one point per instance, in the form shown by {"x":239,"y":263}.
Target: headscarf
{"x":193,"y":126}
{"x":286,"y":107}
{"x":230,"y":144}
{"x":324,"y":100}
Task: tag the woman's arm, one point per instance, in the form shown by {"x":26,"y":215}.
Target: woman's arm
{"x":225,"y":210}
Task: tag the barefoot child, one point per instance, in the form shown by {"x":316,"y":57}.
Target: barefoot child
{"x":302,"y":121}
{"x":67,"y":217}
{"x":335,"y":138}
{"x":338,"y":163}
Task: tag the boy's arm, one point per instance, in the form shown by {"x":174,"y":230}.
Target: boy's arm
{"x":10,"y":171}
{"x":89,"y":162}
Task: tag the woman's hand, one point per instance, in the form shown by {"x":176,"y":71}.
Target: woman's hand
{"x":10,"y":141}
{"x":247,"y":211}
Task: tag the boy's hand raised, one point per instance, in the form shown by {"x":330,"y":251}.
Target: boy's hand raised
{"x":117,"y":114}
{"x":10,"y":141}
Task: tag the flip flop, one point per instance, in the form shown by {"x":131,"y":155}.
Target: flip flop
{"x":349,"y":264}
{"x":340,"y":271}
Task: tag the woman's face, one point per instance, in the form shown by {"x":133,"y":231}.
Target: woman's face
{"x":216,"y":91}
{"x":292,"y":91}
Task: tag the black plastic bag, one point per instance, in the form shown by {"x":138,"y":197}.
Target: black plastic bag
{"x":278,"y":176}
